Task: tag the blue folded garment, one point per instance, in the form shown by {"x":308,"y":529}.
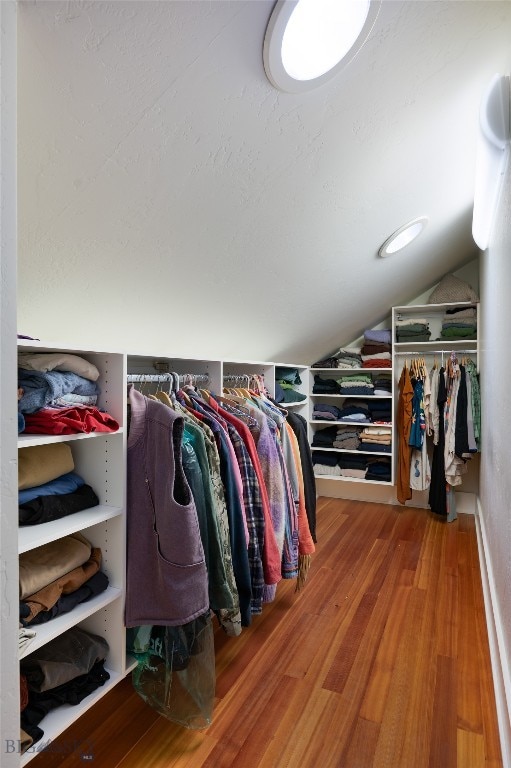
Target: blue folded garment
{"x":64,"y":484}
{"x":39,"y":388}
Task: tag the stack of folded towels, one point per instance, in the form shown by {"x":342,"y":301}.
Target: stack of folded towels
{"x":376,"y":351}
{"x":459,"y":324}
{"x":347,"y":438}
{"x":356,"y":384}
{"x":412,"y":329}
{"x":377,"y":439}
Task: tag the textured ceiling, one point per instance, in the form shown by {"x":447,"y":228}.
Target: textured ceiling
{"x":171,"y":199}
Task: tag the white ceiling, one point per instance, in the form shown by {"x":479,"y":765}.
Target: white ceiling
{"x":171,"y":198}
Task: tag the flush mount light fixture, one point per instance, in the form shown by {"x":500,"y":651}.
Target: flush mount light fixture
{"x":403,"y":236}
{"x":308,"y":41}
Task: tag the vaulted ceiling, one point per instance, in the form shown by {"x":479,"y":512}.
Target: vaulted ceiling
{"x":170,"y":198}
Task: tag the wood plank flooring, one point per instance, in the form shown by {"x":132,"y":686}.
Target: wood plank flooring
{"x":382,"y":661}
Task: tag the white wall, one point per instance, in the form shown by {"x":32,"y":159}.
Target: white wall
{"x":9,"y":614}
{"x":495,"y":480}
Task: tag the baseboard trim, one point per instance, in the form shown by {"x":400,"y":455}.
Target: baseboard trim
{"x":385,"y":493}
{"x":499,"y":657}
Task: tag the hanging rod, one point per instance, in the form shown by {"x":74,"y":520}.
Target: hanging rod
{"x":241,"y":376}
{"x":149,"y":378}
{"x":438,"y":352}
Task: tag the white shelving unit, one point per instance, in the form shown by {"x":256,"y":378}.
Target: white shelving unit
{"x":100,"y":459}
{"x":436,"y":349}
{"x":434,"y":314}
{"x":338,"y":399}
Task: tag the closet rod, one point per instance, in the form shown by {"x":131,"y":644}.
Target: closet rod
{"x":438,"y":352}
{"x":166,"y":377}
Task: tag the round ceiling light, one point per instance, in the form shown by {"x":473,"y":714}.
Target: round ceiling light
{"x":308,"y":41}
{"x":403,"y":236}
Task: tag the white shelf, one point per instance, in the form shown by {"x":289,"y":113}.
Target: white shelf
{"x":347,"y":371}
{"x":352,"y":479}
{"x":358,"y":397}
{"x":440,"y":345}
{"x":61,"y":718}
{"x":32,"y":536}
{"x":352,"y":450}
{"x":432,"y":309}
{"x":52,"y":629}
{"x":27,"y":440}
{"x":351,"y":423}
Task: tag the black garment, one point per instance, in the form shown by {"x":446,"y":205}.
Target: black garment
{"x":321,"y":457}
{"x":437,"y":499}
{"x":72,"y":692}
{"x":94,"y":586}
{"x":43,"y":509}
{"x":325,"y":386}
{"x":461,"y":428}
{"x":299,"y":427}
{"x":328,"y":362}
{"x":323,"y":438}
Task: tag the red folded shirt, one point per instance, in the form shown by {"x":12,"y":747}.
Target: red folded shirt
{"x":69,"y":421}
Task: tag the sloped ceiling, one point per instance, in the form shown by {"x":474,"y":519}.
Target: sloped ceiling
{"x":171,"y":199}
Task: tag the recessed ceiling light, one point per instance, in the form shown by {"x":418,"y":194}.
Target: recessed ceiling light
{"x":403,"y":236}
{"x":308,"y":41}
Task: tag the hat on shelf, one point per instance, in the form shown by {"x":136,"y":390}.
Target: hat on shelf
{"x":451,"y":289}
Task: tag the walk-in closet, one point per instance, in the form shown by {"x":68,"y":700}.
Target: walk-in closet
{"x":253,"y":384}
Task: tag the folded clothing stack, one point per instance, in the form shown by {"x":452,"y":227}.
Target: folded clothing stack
{"x":64,"y":671}
{"x":349,"y":357}
{"x":52,"y":577}
{"x":57,"y":395}
{"x":347,"y":438}
{"x":378,"y":468}
{"x":459,"y":324}
{"x":356,"y":384}
{"x":412,"y":329}
{"x":325,"y":463}
{"x":353,"y":465}
{"x":355,"y":411}
{"x":380,"y":411}
{"x":383,"y":384}
{"x":377,"y":439}
{"x":376,"y":351}
{"x":322,"y":411}
{"x":287,"y":379}
{"x":327,"y":362}
{"x":323,"y":386}
{"x":324,"y":438}
{"x":48,"y":488}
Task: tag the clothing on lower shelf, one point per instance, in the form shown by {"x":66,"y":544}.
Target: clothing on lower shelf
{"x":412,"y":330}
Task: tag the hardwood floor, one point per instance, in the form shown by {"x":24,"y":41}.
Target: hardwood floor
{"x":382,"y":661}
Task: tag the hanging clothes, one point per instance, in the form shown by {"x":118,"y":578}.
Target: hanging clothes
{"x":404,"y":424}
{"x":166,"y":580}
{"x":437,"y":490}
